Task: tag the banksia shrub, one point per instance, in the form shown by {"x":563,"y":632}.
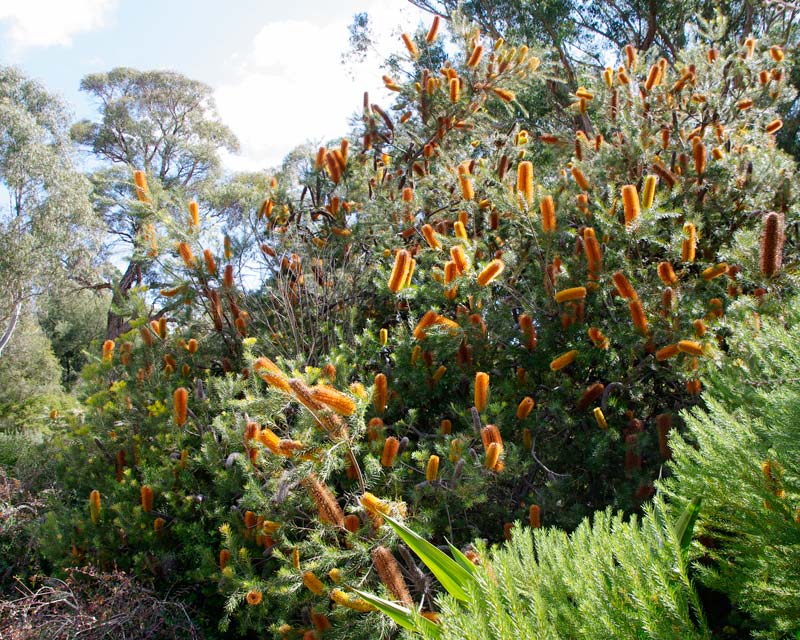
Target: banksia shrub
{"x":481,"y":391}
{"x":180,"y":404}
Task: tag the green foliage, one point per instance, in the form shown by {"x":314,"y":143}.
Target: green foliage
{"x":610,"y":578}
{"x":741,"y":454}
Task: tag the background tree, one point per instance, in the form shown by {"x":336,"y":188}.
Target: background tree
{"x":49,"y":235}
{"x":159,"y":122}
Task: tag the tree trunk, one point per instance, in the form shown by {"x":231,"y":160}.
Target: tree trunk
{"x":12,"y":324}
{"x":117,"y":325}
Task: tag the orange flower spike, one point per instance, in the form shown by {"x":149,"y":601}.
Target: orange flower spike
{"x":400,"y":271}
{"x":600,"y":418}
{"x":142,"y":192}
{"x":108,"y":351}
{"x":714,"y":272}
{"x":525,"y":180}
{"x":481,"y":391}
{"x":491,"y":271}
{"x":574,"y":293}
{"x":689,"y":243}
{"x":637,"y":315}
{"x":390,"y":448}
{"x":649,"y":191}
{"x":428,"y":320}
{"x":455,"y":89}
{"x":665,"y":353}
{"x":630,"y":203}
{"x":194,"y":215}
{"x":432,"y":469}
{"x":624,"y":287}
{"x":690,"y":347}
{"x":430,"y":237}
{"x":564,"y":360}
{"x":313,"y":584}
{"x":580,"y":179}
{"x":535,"y":517}
{"x":467,"y":190}
{"x":186,"y":254}
{"x":475,"y":57}
{"x":493,"y":452}
{"x":333,"y":399}
{"x":211,"y":265}
{"x":598,"y":338}
{"x":180,"y":402}
{"x":410,"y":46}
{"x":667,"y":274}
{"x":380,"y":393}
{"x":459,"y":259}
{"x":525,"y":407}
{"x":224,"y":558}
{"x":147,"y":498}
{"x":433,"y":31}
{"x":548,"y":209}
{"x":94,"y":506}
{"x":594,"y":255}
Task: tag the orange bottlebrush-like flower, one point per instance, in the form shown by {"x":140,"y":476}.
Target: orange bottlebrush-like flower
{"x":446,"y":427}
{"x":380,"y":393}
{"x":227,"y":278}
{"x":313,"y":584}
{"x":525,"y":407}
{"x":224,"y":558}
{"x":108,"y":350}
{"x":715,"y":271}
{"x":158,"y":525}
{"x":432,"y":469}
{"x":467,"y":190}
{"x":525,"y":180}
{"x":493,"y":452}
{"x":490,"y":272}
{"x":548,"y":209}
{"x":94,"y":505}
{"x":774,"y":126}
{"x":194,"y":215}
{"x":565,"y":359}
{"x":593,"y":254}
{"x":192,"y":346}
{"x":390,"y":448}
{"x":459,"y":259}
{"x":744,"y":105}
{"x":429,"y":319}
{"x":373,"y":505}
{"x":180,"y":403}
{"x":433,"y":31}
{"x":410,"y":46}
{"x":694,"y":387}
{"x":439,"y":373}
{"x":383,"y":337}
{"x":459,"y":230}
{"x":140,"y":179}
{"x":147,"y":498}
{"x":771,"y":254}
{"x":455,"y":89}
{"x":481,"y":391}
{"x":699,"y":328}
{"x":624,"y":287}
{"x":630,"y":56}
{"x":357,"y":604}
{"x":649,"y":191}
{"x":667,"y":274}
{"x":665,"y":353}
{"x":211,"y":265}
{"x":592,"y":393}
{"x":580,"y":179}
{"x":402,"y":267}
{"x":690,"y":347}
{"x":776,"y":52}
{"x":689,"y":243}
{"x":475,"y":57}
{"x":630,"y":203}
{"x":186,"y":254}
{"x":390,"y":574}
{"x":535,"y":517}
{"x":430,"y":237}
{"x":699,"y":153}
{"x":270,"y":373}
{"x":333,"y":399}
{"x":253,"y":597}
{"x":528,"y":331}
{"x":320,"y":159}
{"x":600,"y":418}
{"x":652,"y":77}
{"x":574,"y":293}
{"x":637,"y":315}
{"x":598,"y":338}
{"x":327,"y":506}
{"x":504,"y":94}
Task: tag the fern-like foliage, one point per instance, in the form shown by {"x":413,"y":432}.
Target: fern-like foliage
{"x":742,"y":455}
{"x":611,"y":578}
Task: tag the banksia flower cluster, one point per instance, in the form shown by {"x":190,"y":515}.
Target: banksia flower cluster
{"x":327,"y":507}
{"x":94,"y":506}
{"x":180,"y":404}
{"x":481,"y":391}
{"x":147,"y":498}
{"x":402,"y":271}
{"x":771,"y":254}
{"x":389,"y":573}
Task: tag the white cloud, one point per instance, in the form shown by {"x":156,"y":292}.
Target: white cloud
{"x":292,"y":87}
{"x":44,"y":23}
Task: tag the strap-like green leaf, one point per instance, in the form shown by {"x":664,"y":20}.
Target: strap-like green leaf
{"x":462,"y":559}
{"x":684,"y":526}
{"x":448,"y":572}
{"x":401,"y":615}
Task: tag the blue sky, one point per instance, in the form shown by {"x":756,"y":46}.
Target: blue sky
{"x":274,"y":66}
